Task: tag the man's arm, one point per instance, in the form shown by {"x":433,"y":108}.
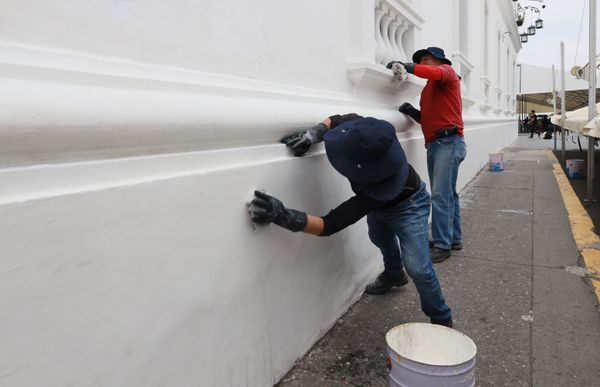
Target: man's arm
{"x":300,"y":142}
{"x":411,"y":111}
{"x":428,"y":72}
{"x":265,"y":209}
{"x":314,"y":225}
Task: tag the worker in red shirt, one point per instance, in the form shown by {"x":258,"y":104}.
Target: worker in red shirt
{"x":441,"y":121}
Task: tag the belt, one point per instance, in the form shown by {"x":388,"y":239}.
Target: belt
{"x":445,"y":132}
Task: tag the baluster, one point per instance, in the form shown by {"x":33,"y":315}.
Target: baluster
{"x":379,"y":50}
{"x":399,"y":33}
{"x":385,"y":22}
{"x":392,"y":34}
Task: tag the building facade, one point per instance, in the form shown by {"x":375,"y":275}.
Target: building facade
{"x":132,"y":134}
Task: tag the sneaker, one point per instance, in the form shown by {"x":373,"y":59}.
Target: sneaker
{"x":454,"y":246}
{"x":447,"y":323}
{"x":385,"y":281}
{"x":439,"y":255}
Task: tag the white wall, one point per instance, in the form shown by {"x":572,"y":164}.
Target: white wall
{"x":537,"y":79}
{"x":131,"y":135}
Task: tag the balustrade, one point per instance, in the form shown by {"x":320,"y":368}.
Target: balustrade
{"x":392,"y":28}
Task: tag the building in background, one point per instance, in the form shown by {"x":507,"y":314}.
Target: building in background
{"x":534,"y":90}
{"x":132,"y":133}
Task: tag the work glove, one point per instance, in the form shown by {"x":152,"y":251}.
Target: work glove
{"x":265,"y":209}
{"x":408,"y":66}
{"x":300,"y":142}
{"x":411,"y":111}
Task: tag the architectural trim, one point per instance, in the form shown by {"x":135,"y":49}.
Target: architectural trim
{"x":31,"y":63}
{"x":93,"y":107}
{"x":459,"y":56}
{"x":406,"y":9}
{"x":509,"y":17}
{"x":369,"y":74}
{"x":467,"y":102}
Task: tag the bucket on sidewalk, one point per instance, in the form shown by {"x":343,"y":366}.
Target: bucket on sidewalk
{"x":575,"y":169}
{"x":430,"y":355}
{"x":496,"y":162}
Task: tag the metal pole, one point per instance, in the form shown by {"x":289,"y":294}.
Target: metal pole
{"x":554,"y":101}
{"x":563,"y":110}
{"x":520,"y":98}
{"x":592,"y":100}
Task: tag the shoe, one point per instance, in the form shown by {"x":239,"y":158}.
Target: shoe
{"x":385,"y":281}
{"x":447,"y":323}
{"x":455,"y":246}
{"x":439,"y":255}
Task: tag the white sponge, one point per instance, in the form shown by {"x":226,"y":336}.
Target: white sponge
{"x":400,"y":73}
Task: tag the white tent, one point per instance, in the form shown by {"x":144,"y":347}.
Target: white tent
{"x":577,"y":121}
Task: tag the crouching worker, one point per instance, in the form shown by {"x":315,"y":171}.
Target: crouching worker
{"x":387,"y":190}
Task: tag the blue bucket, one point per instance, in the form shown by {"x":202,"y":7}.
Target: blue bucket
{"x":576,"y":169}
{"x":496,"y":162}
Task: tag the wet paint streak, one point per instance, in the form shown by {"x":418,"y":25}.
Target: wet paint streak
{"x":581,"y":224}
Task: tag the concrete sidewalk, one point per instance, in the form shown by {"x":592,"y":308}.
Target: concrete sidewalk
{"x":517,"y":289}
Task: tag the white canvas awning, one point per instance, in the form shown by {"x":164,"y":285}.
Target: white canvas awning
{"x":577,"y":121}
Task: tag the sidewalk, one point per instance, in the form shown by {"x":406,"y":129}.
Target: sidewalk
{"x":517,"y":290}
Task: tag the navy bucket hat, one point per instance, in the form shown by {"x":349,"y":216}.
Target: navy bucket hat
{"x":436,"y":52}
{"x":368,"y":153}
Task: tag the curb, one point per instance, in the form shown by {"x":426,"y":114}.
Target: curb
{"x":582,"y":227}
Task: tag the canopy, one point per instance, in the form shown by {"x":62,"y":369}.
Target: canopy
{"x":577,"y":121}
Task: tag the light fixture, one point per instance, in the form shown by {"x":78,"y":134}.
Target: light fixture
{"x":531,"y":30}
{"x":539,"y":23}
{"x":520,"y":20}
{"x":524,"y":37}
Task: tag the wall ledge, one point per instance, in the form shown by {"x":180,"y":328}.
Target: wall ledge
{"x":62,"y":106}
{"x":371,"y":75}
{"x":484,"y":107}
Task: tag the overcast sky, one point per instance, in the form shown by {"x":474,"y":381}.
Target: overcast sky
{"x":562,"y":21}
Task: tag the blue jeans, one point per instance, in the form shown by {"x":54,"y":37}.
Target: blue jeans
{"x":407,"y":223}
{"x":444,"y":156}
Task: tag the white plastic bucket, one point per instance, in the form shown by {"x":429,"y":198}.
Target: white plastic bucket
{"x":575,"y":169}
{"x":496,"y":162}
{"x":430,"y":355}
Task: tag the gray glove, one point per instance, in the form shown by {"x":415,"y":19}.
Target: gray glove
{"x":265,"y":209}
{"x":300,"y":142}
{"x":409,"y":66}
{"x":411,"y":111}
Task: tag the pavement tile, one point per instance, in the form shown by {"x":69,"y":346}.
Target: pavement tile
{"x":505,"y":179}
{"x":355,"y":350}
{"x":566,"y":333}
{"x":548,"y":199}
{"x":302,"y":378}
{"x":497,"y":236}
{"x":497,"y":198}
{"x":553,"y":243}
{"x":488,"y":301}
{"x":529,"y":165}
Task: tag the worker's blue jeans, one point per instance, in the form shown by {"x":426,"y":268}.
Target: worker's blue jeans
{"x":444,"y":156}
{"x":407,"y":223}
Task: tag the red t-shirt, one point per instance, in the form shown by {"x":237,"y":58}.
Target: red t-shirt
{"x":441,"y":103}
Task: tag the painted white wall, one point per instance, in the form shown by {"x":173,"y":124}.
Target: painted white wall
{"x":131,"y":135}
